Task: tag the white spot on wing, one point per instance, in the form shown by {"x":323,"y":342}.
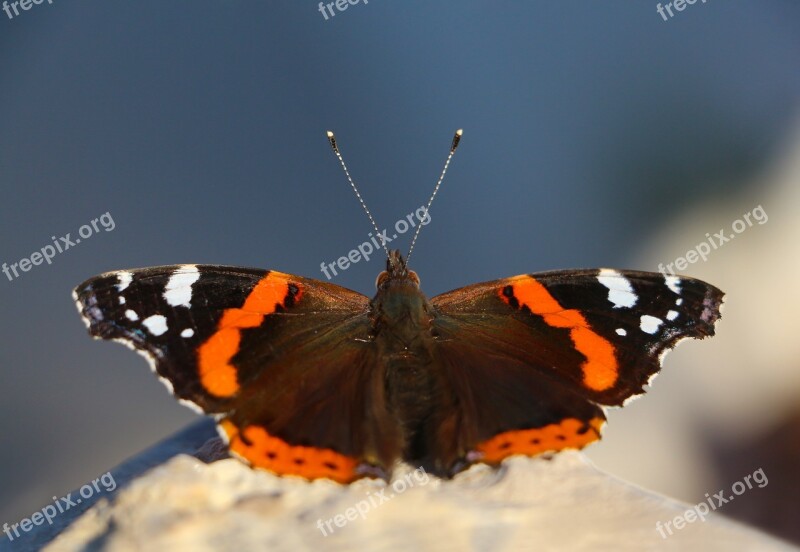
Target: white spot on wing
{"x":124,"y":279}
{"x":121,"y":300}
{"x":188,"y":332}
{"x":679,"y":301}
{"x":649,"y":324}
{"x":673,"y":283}
{"x":131,"y":315}
{"x":621,"y":331}
{"x":156,"y":324}
{"x":620,"y":291}
{"x":672,"y":315}
{"x":178,"y":291}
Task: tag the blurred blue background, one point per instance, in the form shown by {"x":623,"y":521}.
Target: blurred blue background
{"x":589,"y":127}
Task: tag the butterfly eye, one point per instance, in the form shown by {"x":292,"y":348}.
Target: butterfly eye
{"x":382,"y":277}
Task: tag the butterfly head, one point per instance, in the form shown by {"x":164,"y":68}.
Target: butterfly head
{"x":396,"y":272}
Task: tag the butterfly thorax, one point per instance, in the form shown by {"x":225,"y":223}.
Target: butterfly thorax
{"x":402,"y":322}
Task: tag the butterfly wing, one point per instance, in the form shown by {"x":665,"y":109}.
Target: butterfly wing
{"x":533,"y":356}
{"x":282,"y":361}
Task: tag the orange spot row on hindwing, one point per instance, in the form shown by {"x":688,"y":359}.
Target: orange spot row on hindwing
{"x":570,"y":433}
{"x":217,"y":374}
{"x":600,"y":370}
{"x":265,"y":451}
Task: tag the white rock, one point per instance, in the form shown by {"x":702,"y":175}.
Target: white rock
{"x":528,"y":504}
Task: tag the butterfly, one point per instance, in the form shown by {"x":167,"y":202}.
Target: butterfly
{"x":307,"y":378}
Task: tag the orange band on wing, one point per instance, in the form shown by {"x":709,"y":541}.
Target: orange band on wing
{"x":600,"y":370}
{"x":262,"y":450}
{"x":570,"y":433}
{"x":217,"y":374}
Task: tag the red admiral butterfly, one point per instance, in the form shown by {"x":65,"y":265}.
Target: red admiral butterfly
{"x":308,"y":378}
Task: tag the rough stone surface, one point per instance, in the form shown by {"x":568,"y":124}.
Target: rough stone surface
{"x":565,"y":503}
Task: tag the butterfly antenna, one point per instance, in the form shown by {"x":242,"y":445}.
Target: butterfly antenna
{"x":332,"y":140}
{"x":453,"y":146}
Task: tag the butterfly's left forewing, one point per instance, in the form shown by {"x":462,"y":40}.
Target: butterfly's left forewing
{"x":282,"y":361}
{"x":549,"y":348}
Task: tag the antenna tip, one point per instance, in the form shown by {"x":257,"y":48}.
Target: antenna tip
{"x":332,"y":140}
{"x":456,"y":140}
